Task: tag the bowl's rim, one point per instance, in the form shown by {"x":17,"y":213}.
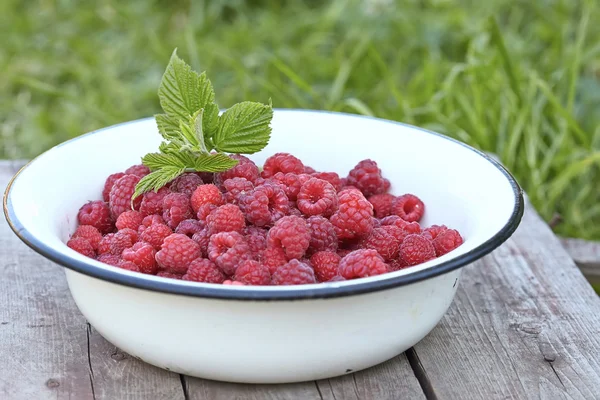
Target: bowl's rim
{"x":359,"y":286}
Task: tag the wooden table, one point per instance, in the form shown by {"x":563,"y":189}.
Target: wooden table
{"x":524,"y":324}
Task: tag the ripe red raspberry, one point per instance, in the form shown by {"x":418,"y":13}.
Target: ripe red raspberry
{"x":155,"y":235}
{"x":396,"y":264}
{"x":132,"y":234}
{"x":82,"y":246}
{"x":96,"y":214}
{"x":150,"y":220}
{"x":226,"y":218}
{"x":382,"y":204}
{"x":330,"y":177}
{"x":393,"y":220}
{"x":138,"y":170}
{"x":293,"y":273}
{"x":202,"y":238}
{"x":291,"y":183}
{"x":362,"y":263}
{"x":204,"y":211}
{"x":244,"y":169}
{"x":408,"y":207}
{"x":129,"y":219}
{"x":227,"y":250}
{"x":309,"y":170}
{"x":189,"y":227}
{"x":186,"y":184}
{"x":398,"y":233}
{"x":383,"y":242}
{"x":115,"y":243}
{"x":257,"y":239}
{"x":317,"y":197}
{"x":265,"y":204}
{"x":177,"y":252}
{"x":152,"y":202}
{"x":90,"y":233}
{"x":282,"y":162}
{"x":326,"y":265}
{"x":337,"y":278}
{"x":170,"y":275}
{"x":232,"y":283}
{"x":272,"y":258}
{"x":236,"y":188}
{"x":128,"y":265}
{"x":120,"y":195}
{"x":447,"y":241}
{"x":292,"y":234}
{"x":416,"y":249}
{"x":322,"y":235}
{"x":109,"y":259}
{"x":142,"y":254}
{"x":366,"y":176}
{"x":344,"y":252}
{"x":108,"y":184}
{"x":252,"y":272}
{"x":434,"y":230}
{"x":206,"y":194}
{"x":176,"y":208}
{"x":203,"y":270}
{"x":354,"y":215}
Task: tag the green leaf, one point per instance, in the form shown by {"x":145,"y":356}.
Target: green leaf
{"x":196,"y":122}
{"x":210,"y":123}
{"x":156,"y":161}
{"x":168,"y":128}
{"x":157,"y":179}
{"x":216,"y":162}
{"x":183,"y":91}
{"x":244,"y":128}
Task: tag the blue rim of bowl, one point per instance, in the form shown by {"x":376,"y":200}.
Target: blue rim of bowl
{"x":357,"y":287}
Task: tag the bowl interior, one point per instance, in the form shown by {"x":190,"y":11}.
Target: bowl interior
{"x":460,"y":187}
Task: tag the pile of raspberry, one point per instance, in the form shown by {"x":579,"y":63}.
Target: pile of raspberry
{"x":286,"y":224}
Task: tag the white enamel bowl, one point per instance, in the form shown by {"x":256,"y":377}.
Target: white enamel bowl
{"x":272,"y":334}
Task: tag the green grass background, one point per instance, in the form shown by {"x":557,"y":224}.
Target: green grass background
{"x":517,"y":78}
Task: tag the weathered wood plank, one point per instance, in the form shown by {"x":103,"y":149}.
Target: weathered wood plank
{"x":586,"y":255}
{"x":525,"y":324}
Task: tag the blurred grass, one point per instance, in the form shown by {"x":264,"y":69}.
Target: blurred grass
{"x":518,"y":78}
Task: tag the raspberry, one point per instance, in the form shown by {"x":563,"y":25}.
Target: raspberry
{"x":120,"y":195}
{"x":434,"y":230}
{"x":380,"y":240}
{"x":354,"y":215}
{"x":115,"y":243}
{"x":132,"y":234}
{"x":294,"y":210}
{"x":90,"y":233}
{"x":177,"y":252}
{"x":396,"y":264}
{"x":170,"y":275}
{"x":202,"y":238}
{"x":108,"y":184}
{"x":293,"y":273}
{"x":393,"y":220}
{"x":227,"y":250}
{"x":226,"y":218}
{"x":129,"y":219}
{"x":150,"y":220}
{"x":252,"y":272}
{"x":142,"y":255}
{"x":186,"y":184}
{"x":309,"y":170}
{"x":236,"y":188}
{"x":203,"y":270}
{"x":317,"y":197}
{"x":337,"y":278}
{"x":272,"y":258}
{"x":416,"y":249}
{"x":244,"y":169}
{"x":282,"y":162}
{"x":398,"y":233}
{"x":325,"y":264}
{"x":265,"y":204}
{"x":152,"y":202}
{"x":292,"y":234}
{"x":96,"y":214}
{"x":138,"y":170}
{"x":204,"y":211}
{"x":176,"y":208}
{"x":408,"y":207}
{"x":376,"y":223}
{"x":366,"y":176}
{"x":447,"y":241}
{"x":232,"y":283}
{"x":344,"y":252}
{"x":155,"y":235}
{"x":257,"y":239}
{"x":206,"y":194}
{"x":322,"y":235}
{"x":382,"y":204}
{"x":109,"y":259}
{"x":291,"y":183}
{"x":189,"y":227}
{"x":362,"y":263}
{"x":128,"y":265}
{"x":330,"y":177}
{"x":82,"y":246}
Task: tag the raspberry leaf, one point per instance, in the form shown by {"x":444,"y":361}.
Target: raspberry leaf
{"x":157,"y":179}
{"x":244,"y":128}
